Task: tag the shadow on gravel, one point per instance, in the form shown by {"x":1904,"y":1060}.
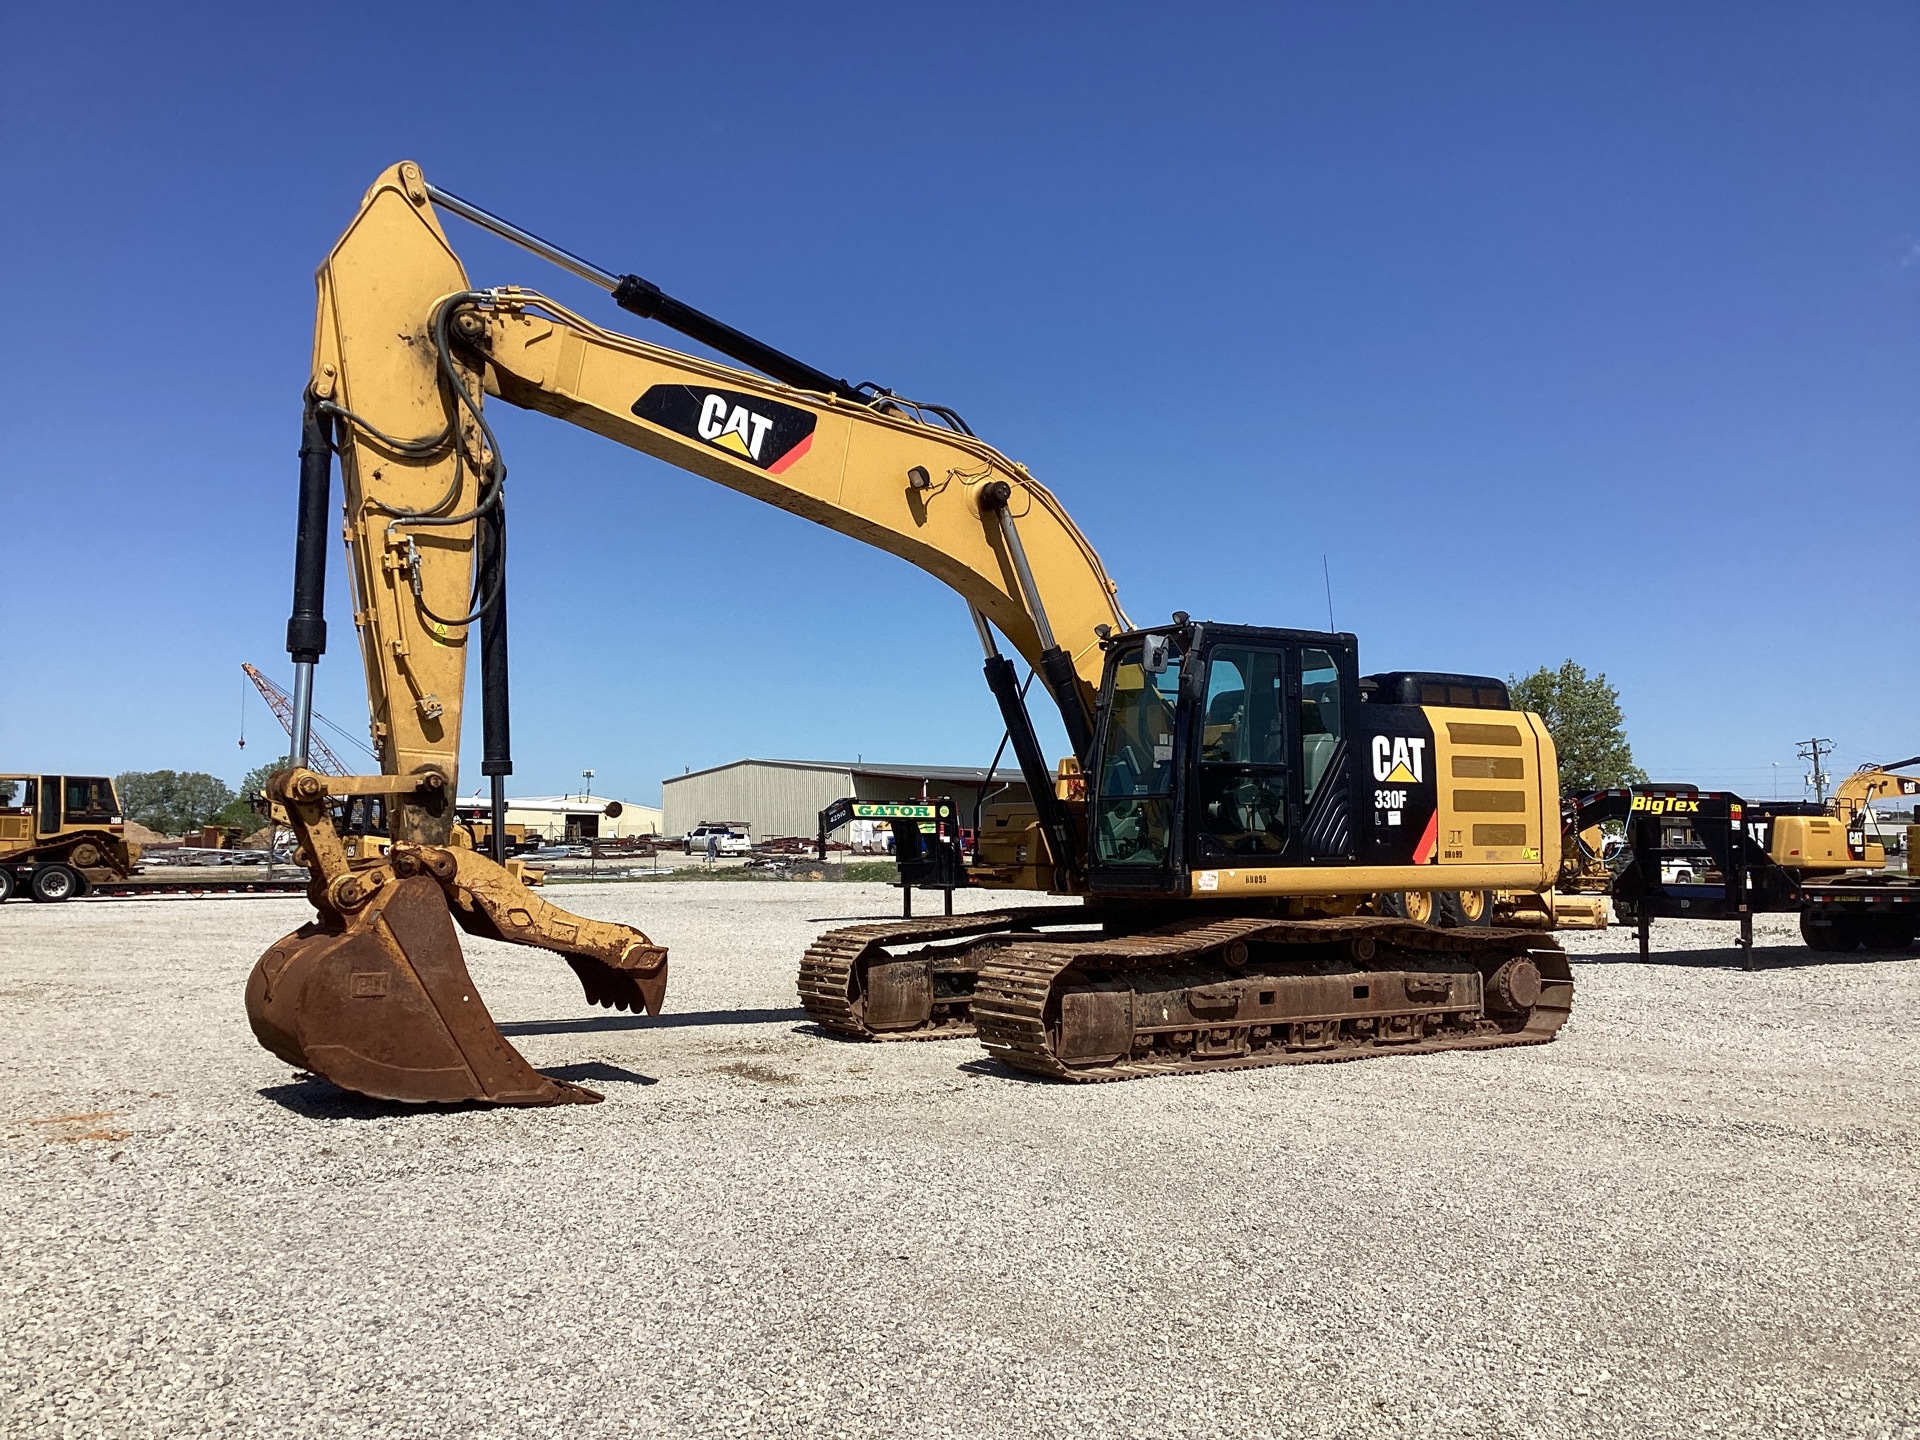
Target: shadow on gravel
{"x":598,"y":1072}
{"x":997,"y":1071}
{"x":845,"y":919}
{"x":1765,"y":957}
{"x":318,"y":1100}
{"x":651,"y":1022}
{"x":833,"y":1037}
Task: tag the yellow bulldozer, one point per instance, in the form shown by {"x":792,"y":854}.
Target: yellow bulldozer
{"x":61,"y":834}
{"x":1236,"y":798}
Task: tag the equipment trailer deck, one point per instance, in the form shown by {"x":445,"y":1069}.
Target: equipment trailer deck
{"x":1710,"y":855}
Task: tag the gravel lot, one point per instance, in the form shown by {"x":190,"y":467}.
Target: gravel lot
{"x":1693,"y":1214}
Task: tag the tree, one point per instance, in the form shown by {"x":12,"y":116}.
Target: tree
{"x":171,"y":801}
{"x":239,"y":813}
{"x":1582,"y":713}
{"x":255,"y":781}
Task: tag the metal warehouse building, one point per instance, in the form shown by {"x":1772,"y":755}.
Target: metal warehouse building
{"x":785,"y":797}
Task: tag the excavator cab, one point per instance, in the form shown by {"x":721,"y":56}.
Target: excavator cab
{"x":1220,"y":746}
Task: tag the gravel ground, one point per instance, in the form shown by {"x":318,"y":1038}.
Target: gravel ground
{"x":1693,"y":1214}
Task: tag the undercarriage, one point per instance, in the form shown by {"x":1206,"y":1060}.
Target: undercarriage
{"x":1050,"y":993}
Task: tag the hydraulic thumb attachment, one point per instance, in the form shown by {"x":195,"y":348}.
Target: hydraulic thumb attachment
{"x":375,"y":995}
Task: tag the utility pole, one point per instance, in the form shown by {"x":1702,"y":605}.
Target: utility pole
{"x":1815,"y":751}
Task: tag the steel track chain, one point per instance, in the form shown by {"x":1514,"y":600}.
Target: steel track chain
{"x":831,"y":963}
{"x":1010,"y":998}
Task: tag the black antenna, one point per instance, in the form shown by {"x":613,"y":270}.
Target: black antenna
{"x":1327,"y":575}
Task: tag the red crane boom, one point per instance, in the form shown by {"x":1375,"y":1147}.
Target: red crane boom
{"x":281,"y":703}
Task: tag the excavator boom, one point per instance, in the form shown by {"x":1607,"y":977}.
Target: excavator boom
{"x":1874,"y":782}
{"x":374,"y":995}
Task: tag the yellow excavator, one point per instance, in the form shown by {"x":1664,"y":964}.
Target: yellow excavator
{"x":1236,"y":798}
{"x":1852,"y":807}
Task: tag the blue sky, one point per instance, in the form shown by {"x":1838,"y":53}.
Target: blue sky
{"x":1558,"y":331}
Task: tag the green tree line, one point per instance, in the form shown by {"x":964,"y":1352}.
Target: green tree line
{"x":172,"y":802}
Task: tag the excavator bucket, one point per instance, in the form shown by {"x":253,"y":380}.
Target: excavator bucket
{"x":382,"y":1004}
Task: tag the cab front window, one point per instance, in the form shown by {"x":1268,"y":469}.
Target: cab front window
{"x":1134,"y":804}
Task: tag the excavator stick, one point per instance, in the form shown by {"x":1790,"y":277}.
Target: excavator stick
{"x":375,"y":995}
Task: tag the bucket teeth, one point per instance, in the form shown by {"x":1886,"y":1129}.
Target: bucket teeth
{"x":383,"y":1004}
{"x":637,"y":982}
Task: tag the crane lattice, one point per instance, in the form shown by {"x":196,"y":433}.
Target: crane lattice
{"x":281,"y":703}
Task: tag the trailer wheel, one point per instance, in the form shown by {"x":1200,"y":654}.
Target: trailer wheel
{"x":6,"y":885}
{"x":1829,"y":933}
{"x":54,"y":882}
{"x":1887,"y":932}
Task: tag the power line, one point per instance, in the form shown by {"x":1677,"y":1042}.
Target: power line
{"x":1815,"y":751}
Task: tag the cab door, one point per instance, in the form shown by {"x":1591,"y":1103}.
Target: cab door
{"x":1134,"y":820}
{"x":1245,"y":808}
{"x":1273,"y":781}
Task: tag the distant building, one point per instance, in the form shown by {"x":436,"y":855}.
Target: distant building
{"x":785,"y":797}
{"x":582,"y":817}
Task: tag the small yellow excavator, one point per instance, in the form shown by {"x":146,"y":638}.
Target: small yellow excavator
{"x":1236,"y":798}
{"x":1852,"y":804}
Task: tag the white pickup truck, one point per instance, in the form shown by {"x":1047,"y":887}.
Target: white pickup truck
{"x":733,"y":841}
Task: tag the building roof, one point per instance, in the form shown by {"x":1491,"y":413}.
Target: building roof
{"x":964,"y":774}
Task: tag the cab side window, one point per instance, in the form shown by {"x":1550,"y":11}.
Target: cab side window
{"x":1224,"y":724}
{"x":1243,"y":755}
{"x":1134,"y":806}
{"x":89,"y":800}
{"x":1319,"y":718}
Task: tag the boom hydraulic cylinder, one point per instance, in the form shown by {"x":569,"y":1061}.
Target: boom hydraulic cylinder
{"x":307,"y":626}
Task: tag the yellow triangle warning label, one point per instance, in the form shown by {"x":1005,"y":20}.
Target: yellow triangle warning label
{"x":730,"y":440}
{"x":1400,"y":775}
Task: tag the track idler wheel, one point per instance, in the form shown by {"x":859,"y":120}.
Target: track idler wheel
{"x":383,"y":1005}
{"x":1515,"y":987}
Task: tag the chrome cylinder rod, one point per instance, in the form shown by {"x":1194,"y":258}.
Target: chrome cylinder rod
{"x":526,"y":239}
{"x":302,"y":711}
{"x":1029,"y":591}
{"x":986,"y":633}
